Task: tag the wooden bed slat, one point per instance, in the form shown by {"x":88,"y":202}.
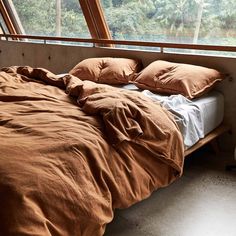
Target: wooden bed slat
{"x":208,"y":138}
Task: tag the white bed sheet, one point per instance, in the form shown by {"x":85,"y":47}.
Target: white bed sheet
{"x":195,"y":118}
{"x":187,"y":116}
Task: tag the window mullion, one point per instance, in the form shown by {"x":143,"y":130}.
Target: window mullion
{"x":95,"y":19}
{"x":7,"y":18}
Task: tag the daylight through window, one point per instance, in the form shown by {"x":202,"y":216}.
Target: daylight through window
{"x":173,"y":21}
{"x":52,"y":18}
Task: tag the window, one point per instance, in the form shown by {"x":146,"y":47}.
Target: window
{"x":200,"y":22}
{"x":210,"y":22}
{"x":52,"y":18}
{"x":3,"y":27}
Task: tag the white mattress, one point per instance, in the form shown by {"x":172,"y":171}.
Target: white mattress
{"x":212,"y":110}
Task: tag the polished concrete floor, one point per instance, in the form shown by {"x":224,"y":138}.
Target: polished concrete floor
{"x":201,"y":203}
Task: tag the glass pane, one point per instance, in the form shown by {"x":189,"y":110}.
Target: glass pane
{"x":174,"y":21}
{"x":52,"y":18}
{"x":3,"y":27}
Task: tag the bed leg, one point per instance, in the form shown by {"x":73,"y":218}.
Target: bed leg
{"x":215,"y":146}
{"x":230,"y":168}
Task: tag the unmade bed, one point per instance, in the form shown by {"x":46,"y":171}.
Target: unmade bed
{"x":73,"y":151}
{"x":196,"y":118}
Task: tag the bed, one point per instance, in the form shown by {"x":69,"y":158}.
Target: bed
{"x":73,"y":150}
{"x":196,"y":118}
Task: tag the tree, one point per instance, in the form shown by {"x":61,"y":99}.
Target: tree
{"x":58,"y":17}
{"x":185,"y":21}
{"x":198,"y":21}
{"x":41,"y":17}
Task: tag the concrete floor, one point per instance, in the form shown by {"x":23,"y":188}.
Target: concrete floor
{"x":201,"y":203}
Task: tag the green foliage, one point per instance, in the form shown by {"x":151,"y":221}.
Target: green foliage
{"x":173,"y":20}
{"x":38,"y":17}
{"x":150,"y":20}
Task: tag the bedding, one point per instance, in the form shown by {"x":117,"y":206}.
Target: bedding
{"x":176,"y":78}
{"x":187,"y":115}
{"x":197,"y":117}
{"x":107,"y":70}
{"x":211,"y":107}
{"x":72,"y":151}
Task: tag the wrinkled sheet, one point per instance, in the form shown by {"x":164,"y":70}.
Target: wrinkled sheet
{"x":187,"y":115}
{"x":72,"y":151}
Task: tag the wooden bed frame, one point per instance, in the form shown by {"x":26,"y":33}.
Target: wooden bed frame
{"x":210,"y":138}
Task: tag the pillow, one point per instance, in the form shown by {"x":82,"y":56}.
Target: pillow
{"x":175,"y":78}
{"x":107,"y":70}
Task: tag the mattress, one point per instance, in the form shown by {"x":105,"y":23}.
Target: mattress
{"x":212,"y":110}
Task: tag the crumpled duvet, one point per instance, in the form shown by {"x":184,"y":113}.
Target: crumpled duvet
{"x":72,"y":151}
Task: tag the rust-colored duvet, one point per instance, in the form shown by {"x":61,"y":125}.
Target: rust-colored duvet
{"x":72,"y":151}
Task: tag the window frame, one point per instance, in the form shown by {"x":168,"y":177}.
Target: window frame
{"x":99,"y":30}
{"x":11,"y":27}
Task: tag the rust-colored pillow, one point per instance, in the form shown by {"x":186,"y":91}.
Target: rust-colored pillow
{"x":175,"y":78}
{"x":107,"y":70}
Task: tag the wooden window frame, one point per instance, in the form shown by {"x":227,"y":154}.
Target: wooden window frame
{"x":91,"y":9}
{"x":10,"y":8}
{"x":95,"y":19}
{"x":98,"y":28}
{"x":162,"y":46}
{"x":7,"y":18}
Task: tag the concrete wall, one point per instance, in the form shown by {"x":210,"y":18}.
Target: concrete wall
{"x":61,"y":58}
